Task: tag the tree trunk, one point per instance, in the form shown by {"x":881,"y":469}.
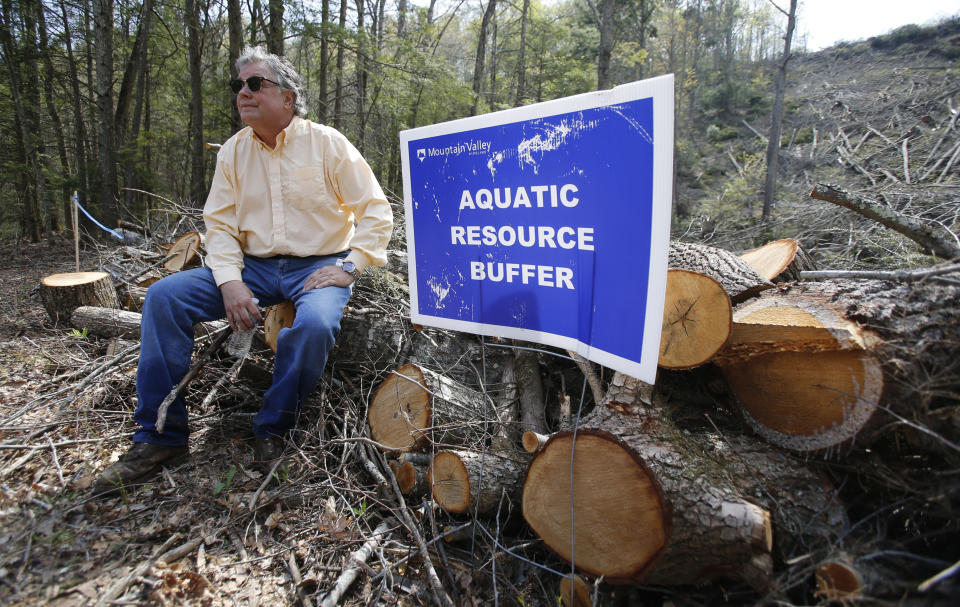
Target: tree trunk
{"x":338,"y":85}
{"x":275,"y":41}
{"x":106,"y":159}
{"x":360,"y":140}
{"x":198,"y":182}
{"x":110,"y":322}
{"x":32,"y":217}
{"x":56,"y":217}
{"x":415,"y":407}
{"x":606,"y":25}
{"x":521,"y":55}
{"x":776,"y":118}
{"x":481,"y":54}
{"x":738,"y":279}
{"x":63,"y":293}
{"x":654,"y":504}
{"x":80,"y":133}
{"x":816,"y":365}
{"x":697,"y":317}
{"x":324,"y":61}
{"x":468,"y":482}
{"x":779,"y":261}
{"x":235,"y":21}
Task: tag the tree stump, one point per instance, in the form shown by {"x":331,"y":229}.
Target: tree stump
{"x":467,"y":482}
{"x":63,"y":293}
{"x":414,"y":407}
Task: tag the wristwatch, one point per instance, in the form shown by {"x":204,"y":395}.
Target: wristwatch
{"x":349,"y":267}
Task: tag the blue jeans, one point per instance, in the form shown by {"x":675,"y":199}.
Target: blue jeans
{"x":176,"y":303}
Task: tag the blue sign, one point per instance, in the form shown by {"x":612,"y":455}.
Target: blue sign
{"x":547,"y":223}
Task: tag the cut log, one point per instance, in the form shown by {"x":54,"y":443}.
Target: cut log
{"x":696,"y":320}
{"x":133,"y":298}
{"x":414,"y":407}
{"x":184,"y":252}
{"x":63,"y":293}
{"x":109,"y":322}
{"x":277,"y":317}
{"x":839,"y":580}
{"x":533,"y":441}
{"x":735,"y":275}
{"x":780,"y":260}
{"x":654,"y":504}
{"x":412,"y":478}
{"x":467,"y":482}
{"x":575,"y":594}
{"x":815,"y":365}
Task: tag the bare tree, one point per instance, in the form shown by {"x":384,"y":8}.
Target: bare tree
{"x":773,"y":145}
{"x":106,"y":155}
{"x":197,"y":178}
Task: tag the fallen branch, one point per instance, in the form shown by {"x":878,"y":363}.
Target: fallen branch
{"x":354,"y":565}
{"x":895,"y":275}
{"x":921,"y":233}
{"x":207,"y":354}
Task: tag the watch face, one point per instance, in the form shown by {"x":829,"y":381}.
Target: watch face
{"x":349,"y":266}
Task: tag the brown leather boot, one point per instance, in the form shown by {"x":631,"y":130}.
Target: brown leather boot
{"x":266,"y":451}
{"x":141,"y":461}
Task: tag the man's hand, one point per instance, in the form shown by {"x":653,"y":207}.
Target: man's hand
{"x":328,"y":276}
{"x":242,"y":312}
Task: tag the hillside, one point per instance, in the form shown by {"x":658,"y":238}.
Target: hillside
{"x":855,"y":112}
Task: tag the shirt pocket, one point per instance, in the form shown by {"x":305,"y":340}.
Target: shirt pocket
{"x":306,"y":188}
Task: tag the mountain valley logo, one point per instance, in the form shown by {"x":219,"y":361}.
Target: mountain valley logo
{"x":473,"y":147}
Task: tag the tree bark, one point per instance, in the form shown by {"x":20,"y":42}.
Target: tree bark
{"x":106,"y":158}
{"x":275,"y":41}
{"x":235,"y":21}
{"x":697,"y":318}
{"x":416,"y":407}
{"x":481,"y":54}
{"x":776,"y":118}
{"x":735,"y":275}
{"x":779,"y":261}
{"x":80,"y":133}
{"x":198,"y":182}
{"x":654,"y":504}
{"x":63,"y":293}
{"x":817,"y":365}
{"x":468,"y":482}
{"x":521,"y":55}
{"x":606,"y":26}
{"x":110,"y":322}
{"x":324,"y":60}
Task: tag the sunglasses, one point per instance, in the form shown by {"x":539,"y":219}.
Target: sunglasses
{"x":253,"y":83}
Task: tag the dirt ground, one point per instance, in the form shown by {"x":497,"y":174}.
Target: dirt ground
{"x":62,"y":545}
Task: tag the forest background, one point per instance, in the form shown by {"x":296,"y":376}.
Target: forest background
{"x":110,"y":97}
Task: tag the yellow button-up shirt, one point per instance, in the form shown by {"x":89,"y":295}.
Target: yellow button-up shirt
{"x":312,"y":194}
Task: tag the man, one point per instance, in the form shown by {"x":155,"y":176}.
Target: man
{"x":294,"y":213}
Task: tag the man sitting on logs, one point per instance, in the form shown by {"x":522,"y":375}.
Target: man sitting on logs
{"x":294,"y":213}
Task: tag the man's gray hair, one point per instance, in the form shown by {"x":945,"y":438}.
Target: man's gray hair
{"x":286,"y":74}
